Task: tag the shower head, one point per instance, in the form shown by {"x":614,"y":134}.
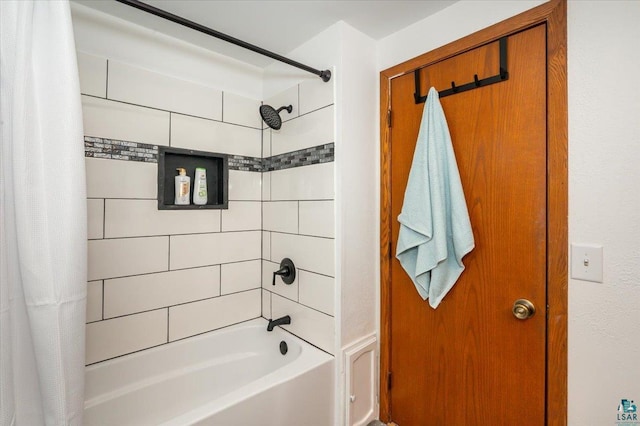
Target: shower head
{"x":271,"y":116}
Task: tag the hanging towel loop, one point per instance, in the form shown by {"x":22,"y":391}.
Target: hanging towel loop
{"x":435,"y":229}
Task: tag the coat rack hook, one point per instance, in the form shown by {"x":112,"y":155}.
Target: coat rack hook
{"x":503,"y":75}
{"x":417,"y":96}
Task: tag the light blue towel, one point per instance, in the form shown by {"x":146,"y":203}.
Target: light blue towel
{"x":435,"y":230}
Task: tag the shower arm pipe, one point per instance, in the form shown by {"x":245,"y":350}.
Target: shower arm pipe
{"x":324,"y":75}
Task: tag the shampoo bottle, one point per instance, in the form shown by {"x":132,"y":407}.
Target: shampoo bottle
{"x":200,"y":187}
{"x":183,"y":188}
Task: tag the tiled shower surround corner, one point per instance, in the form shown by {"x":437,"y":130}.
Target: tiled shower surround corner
{"x":160,"y":276}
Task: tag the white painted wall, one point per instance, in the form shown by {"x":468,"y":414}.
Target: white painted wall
{"x":109,"y":37}
{"x":604,"y":202}
{"x":456,"y":21}
{"x":356,"y":157}
{"x":604,"y":206}
{"x":356,"y":178}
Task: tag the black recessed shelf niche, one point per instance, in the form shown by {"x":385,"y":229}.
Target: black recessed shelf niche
{"x":217,"y":166}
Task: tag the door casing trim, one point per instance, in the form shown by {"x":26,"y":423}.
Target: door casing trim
{"x":554,"y":15}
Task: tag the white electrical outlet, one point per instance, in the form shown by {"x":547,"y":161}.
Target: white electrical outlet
{"x":586,"y":262}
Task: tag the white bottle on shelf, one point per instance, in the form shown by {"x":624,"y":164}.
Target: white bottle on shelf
{"x":200,"y":187}
{"x":183,"y":188}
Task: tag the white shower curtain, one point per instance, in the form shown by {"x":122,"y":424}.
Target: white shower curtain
{"x":42,"y":217}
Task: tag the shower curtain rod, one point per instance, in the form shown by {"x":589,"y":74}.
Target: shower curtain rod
{"x":324,"y":75}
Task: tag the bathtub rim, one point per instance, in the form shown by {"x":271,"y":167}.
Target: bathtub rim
{"x":310,"y":357}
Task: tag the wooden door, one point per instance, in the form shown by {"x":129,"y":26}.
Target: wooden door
{"x":470,"y":361}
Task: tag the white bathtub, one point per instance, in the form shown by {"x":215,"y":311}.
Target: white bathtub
{"x":235,"y":376}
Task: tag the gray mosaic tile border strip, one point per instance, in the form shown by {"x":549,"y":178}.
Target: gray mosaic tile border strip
{"x":245,"y":164}
{"x":303,"y":157}
{"x":120,"y":150}
{"x":136,"y":151}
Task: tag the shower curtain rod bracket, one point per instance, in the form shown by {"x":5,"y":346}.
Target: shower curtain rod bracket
{"x":325,"y":75}
{"x":476,"y":83}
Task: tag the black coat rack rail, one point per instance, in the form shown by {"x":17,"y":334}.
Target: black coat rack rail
{"x":325,"y":75}
{"x":476,"y":83}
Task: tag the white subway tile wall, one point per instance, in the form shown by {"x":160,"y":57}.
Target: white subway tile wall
{"x":116,"y":120}
{"x":94,"y":301}
{"x":266,"y":245}
{"x":121,"y":257}
{"x":266,"y":304}
{"x":114,"y":337}
{"x":242,"y":215}
{"x":317,"y":291}
{"x":317,"y":218}
{"x":290,"y":291}
{"x":266,"y":186}
{"x":316,"y":327}
{"x":199,"y":317}
{"x":214,"y":136}
{"x":314,"y":94}
{"x":157,"y":276}
{"x":298,"y":217}
{"x":240,"y":110}
{"x":135,"y":218}
{"x":281,"y":216}
{"x":285,"y":98}
{"x":244,"y":186}
{"x":190,"y":251}
{"x":95,"y":218}
{"x":93,"y":75}
{"x":121,"y":179}
{"x":304,"y":132}
{"x":240,"y":276}
{"x":142,"y":87}
{"x":303,"y":183}
{"x":266,"y":143}
{"x":130,"y":295}
{"x":309,"y":253}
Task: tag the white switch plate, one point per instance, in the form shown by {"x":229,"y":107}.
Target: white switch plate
{"x":586,"y":262}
